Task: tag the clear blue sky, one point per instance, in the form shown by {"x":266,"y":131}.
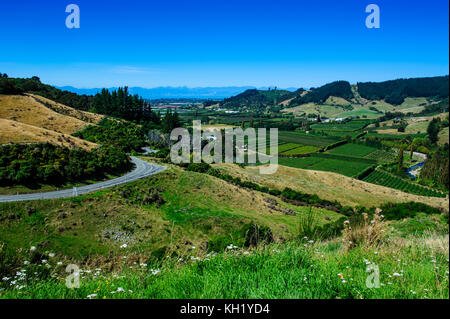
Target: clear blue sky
{"x":288,"y":43}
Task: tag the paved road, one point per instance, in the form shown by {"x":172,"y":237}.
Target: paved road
{"x":142,"y":169}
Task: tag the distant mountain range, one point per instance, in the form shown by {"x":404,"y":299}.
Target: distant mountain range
{"x":175,"y":92}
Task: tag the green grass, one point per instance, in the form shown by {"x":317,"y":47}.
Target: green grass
{"x":320,"y":271}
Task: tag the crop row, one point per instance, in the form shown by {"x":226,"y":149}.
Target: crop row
{"x":385,"y":179}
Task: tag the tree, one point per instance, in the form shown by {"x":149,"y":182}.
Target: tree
{"x":400,"y":159}
{"x":170,"y":121}
{"x":433,"y":130}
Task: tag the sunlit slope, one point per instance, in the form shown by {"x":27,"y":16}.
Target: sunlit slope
{"x":31,"y":118}
{"x":331,"y":186}
{"x":16,"y":132}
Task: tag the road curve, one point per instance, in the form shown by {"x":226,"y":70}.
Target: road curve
{"x":142,"y":169}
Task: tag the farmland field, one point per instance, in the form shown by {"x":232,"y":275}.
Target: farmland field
{"x":354,"y":125}
{"x":287,"y":146}
{"x":303,"y":149}
{"x":305,"y":139}
{"x":394,"y":136}
{"x":385,"y":179}
{"x":329,"y":164}
{"x":355,"y":150}
{"x":382,"y":156}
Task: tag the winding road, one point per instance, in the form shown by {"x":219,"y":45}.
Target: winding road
{"x":142,"y":169}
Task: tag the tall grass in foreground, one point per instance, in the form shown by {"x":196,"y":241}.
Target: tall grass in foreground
{"x":408,"y":269}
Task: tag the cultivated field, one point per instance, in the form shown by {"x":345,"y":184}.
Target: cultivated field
{"x":355,"y":150}
{"x":306,"y":139}
{"x":386,"y":179}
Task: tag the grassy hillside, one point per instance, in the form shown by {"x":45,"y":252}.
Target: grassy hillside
{"x":332,"y":186}
{"x":28,"y":110}
{"x":183,"y":234}
{"x":195,"y":210}
{"x":16,"y":132}
{"x":29,"y":118}
{"x":334,"y":107}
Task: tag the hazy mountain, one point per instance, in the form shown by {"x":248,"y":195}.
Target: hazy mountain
{"x":174,"y":92}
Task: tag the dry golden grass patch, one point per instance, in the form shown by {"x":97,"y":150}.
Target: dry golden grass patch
{"x":212,"y":127}
{"x":16,"y":132}
{"x":331,"y":186}
{"x":66,"y":110}
{"x":286,"y":102}
{"x":32,"y":119}
{"x":334,"y":100}
{"x":25,"y":109}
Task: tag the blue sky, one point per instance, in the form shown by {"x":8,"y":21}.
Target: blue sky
{"x":287,"y":43}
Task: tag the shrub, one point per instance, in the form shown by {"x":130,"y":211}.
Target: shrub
{"x":8,"y":261}
{"x":219,"y":243}
{"x":255,"y":234}
{"x":368,"y":232}
{"x":404,"y":210}
{"x":198,"y":167}
{"x":307,"y":225}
